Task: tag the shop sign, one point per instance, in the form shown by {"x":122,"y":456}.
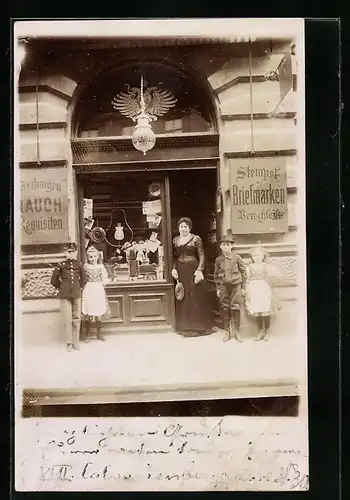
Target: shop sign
{"x":44,"y":206}
{"x":259,"y":196}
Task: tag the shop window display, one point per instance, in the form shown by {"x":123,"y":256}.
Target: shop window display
{"x":124,"y":220}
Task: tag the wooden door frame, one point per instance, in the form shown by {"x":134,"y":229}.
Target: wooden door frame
{"x":80,"y":212}
{"x":167,"y":208}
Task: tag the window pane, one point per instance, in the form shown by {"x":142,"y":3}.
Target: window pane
{"x":130,"y":211}
{"x":173,"y":125}
{"x":128,"y":130}
{"x":89,"y":133}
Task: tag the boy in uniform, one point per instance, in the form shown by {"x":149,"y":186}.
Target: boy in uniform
{"x":69,"y":278}
{"x":230,"y":279}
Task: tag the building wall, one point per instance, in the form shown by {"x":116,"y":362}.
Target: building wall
{"x":45,"y":114}
{"x":234,"y":84}
{"x":44,"y":137}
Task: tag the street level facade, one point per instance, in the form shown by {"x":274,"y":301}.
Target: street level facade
{"x":225,"y":155}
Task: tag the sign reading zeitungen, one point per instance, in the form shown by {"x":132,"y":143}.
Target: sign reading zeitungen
{"x":44,"y":206}
{"x":259,"y":195}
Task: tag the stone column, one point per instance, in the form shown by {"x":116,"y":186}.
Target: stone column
{"x":44,"y":145}
{"x":256,"y":123}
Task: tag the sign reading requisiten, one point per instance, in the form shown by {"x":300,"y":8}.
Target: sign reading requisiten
{"x":259,"y":195}
{"x":44,"y":206}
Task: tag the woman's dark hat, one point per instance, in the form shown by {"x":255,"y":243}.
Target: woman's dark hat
{"x":71,"y":246}
{"x":227,"y":239}
{"x":179,"y":291}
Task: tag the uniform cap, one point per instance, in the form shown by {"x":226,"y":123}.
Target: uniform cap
{"x":71,"y":246}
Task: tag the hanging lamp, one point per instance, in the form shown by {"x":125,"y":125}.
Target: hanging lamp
{"x":143,"y":138}
{"x":37,"y":119}
{"x":152,"y":103}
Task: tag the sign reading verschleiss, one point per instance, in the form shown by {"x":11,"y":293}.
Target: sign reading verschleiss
{"x":259,"y":195}
{"x":44,"y":206}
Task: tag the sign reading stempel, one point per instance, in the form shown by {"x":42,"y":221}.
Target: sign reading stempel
{"x":259,"y":196}
{"x":43,"y":206}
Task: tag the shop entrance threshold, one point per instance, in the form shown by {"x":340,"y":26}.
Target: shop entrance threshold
{"x":130,"y":368}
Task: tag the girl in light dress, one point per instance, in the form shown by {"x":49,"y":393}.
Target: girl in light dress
{"x":261,"y":302}
{"x":95,"y":305}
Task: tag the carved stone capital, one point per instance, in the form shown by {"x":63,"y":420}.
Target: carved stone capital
{"x":36,"y":284}
{"x":287,"y":266}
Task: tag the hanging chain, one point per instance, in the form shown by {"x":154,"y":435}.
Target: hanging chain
{"x":37,"y":118}
{"x":142,"y":99}
{"x":251,"y":101}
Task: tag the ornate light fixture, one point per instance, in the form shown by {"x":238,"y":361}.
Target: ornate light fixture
{"x":143,"y":107}
{"x":143,"y":137}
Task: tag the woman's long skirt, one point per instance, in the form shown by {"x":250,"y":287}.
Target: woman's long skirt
{"x":193,"y":312}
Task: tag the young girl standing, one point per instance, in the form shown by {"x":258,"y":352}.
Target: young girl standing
{"x":261,"y":302}
{"x":95,"y":306}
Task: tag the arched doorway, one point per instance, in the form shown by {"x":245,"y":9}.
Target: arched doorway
{"x":132,"y":202}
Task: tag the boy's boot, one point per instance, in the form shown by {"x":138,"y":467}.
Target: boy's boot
{"x":226,"y":321}
{"x":236,"y":324}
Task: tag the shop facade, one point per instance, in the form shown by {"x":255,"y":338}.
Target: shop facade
{"x":225,"y":156}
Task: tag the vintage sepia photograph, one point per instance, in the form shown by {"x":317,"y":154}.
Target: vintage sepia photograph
{"x":160,"y":213}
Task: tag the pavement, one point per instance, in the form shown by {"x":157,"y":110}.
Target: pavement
{"x":162,"y":366}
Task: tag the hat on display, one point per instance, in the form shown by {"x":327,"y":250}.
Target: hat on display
{"x":97,"y":235}
{"x":71,"y":246}
{"x":227,"y":238}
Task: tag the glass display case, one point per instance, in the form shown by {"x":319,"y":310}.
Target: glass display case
{"x":125,"y":220}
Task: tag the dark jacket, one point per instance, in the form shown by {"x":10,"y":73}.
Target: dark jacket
{"x":230,"y":269}
{"x":69,"y":278}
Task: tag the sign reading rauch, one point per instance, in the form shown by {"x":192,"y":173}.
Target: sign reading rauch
{"x":259,"y":196}
{"x":44,"y":206}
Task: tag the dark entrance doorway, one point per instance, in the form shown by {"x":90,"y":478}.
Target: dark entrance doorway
{"x":192,"y":194}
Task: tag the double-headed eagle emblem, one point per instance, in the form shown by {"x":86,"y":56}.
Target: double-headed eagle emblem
{"x":157,"y":102}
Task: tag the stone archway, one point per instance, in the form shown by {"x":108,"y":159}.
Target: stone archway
{"x":98,"y":89}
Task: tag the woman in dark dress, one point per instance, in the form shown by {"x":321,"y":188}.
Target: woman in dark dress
{"x":192,"y":312}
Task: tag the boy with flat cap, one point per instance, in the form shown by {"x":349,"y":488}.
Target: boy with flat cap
{"x":230,"y":279}
{"x":69,"y":278}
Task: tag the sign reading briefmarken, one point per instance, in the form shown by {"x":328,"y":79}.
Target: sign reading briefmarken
{"x":259,"y":195}
{"x":44,"y":206}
